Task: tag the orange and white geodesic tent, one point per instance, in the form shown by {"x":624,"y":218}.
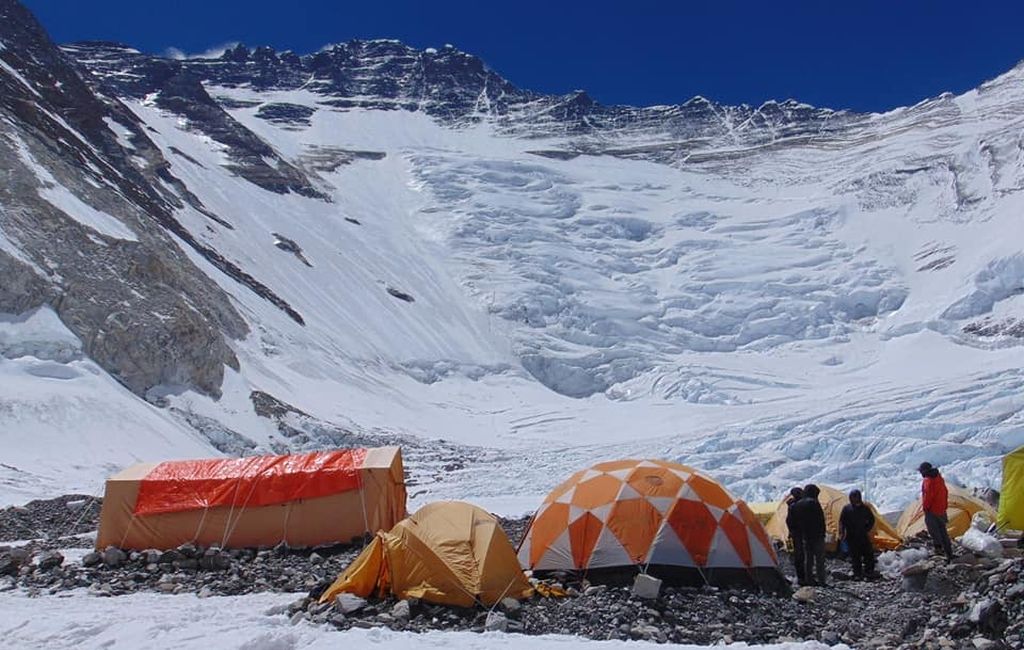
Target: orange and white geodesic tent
{"x":618,"y":518}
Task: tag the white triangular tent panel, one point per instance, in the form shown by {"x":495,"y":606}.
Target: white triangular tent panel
{"x":669,"y":550}
{"x":608,"y":552}
{"x":602,"y":512}
{"x":628,"y":492}
{"x":759,"y":555}
{"x":722,"y":554}
{"x":558,"y":556}
{"x":567,"y":496}
{"x":661,"y":504}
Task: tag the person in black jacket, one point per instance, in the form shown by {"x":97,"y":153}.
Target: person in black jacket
{"x":855,"y":524}
{"x":809,"y":519}
{"x":795,"y":536}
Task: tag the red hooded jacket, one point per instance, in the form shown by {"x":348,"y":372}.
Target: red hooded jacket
{"x":934,"y":495}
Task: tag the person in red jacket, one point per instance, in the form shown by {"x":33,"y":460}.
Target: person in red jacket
{"x":934,"y":500}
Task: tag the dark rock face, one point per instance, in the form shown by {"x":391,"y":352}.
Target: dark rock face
{"x":287,"y":114}
{"x":141,"y":308}
{"x":457,"y":89}
{"x":122,"y":72}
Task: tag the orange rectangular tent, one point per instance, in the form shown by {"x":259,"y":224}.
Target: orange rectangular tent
{"x":302,"y":500}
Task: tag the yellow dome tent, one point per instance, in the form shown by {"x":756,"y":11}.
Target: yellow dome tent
{"x":763,"y":510}
{"x":1011,"y":498}
{"x":448,"y":553}
{"x":962,"y":507}
{"x":883,"y":535}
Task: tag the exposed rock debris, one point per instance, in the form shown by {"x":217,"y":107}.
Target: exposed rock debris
{"x":973,"y":603}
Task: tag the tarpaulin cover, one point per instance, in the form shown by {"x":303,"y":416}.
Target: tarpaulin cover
{"x":176,"y":486}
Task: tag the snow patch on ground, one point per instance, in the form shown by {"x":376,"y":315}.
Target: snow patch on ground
{"x":77,"y":620}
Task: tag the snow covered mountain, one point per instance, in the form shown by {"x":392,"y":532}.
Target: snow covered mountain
{"x":272,"y":251}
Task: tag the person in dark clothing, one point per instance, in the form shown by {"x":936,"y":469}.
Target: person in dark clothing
{"x":855,"y":524}
{"x":934,"y":501}
{"x":795,"y":535}
{"x":809,"y":519}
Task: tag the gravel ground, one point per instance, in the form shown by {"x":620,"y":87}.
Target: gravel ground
{"x":54,"y":523}
{"x":973,"y":603}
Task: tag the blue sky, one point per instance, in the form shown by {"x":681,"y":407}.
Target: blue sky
{"x":862,"y":56}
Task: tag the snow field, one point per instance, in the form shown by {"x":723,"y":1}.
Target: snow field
{"x":81,"y":621}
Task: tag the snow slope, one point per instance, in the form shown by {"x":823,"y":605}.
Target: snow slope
{"x":836,"y":305}
{"x":66,"y":423}
{"x":775,"y":318}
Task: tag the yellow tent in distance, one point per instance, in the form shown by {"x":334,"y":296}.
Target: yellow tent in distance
{"x":962,"y":507}
{"x":883,"y":535}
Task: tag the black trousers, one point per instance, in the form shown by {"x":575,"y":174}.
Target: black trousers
{"x":814,"y":560}
{"x":936,"y":525}
{"x":798,"y":558}
{"x":862,"y":556}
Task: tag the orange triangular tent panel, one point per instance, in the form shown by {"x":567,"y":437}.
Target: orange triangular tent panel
{"x":883,"y":535}
{"x":448,"y":553}
{"x":961,"y":509}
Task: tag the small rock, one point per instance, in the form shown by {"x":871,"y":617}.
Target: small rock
{"x":316,"y":558}
{"x":297,"y":618}
{"x":205,"y":592}
{"x":170,"y":556}
{"x":401,"y":610}
{"x":981,"y":643}
{"x":594,"y":590}
{"x":114,"y":557}
{"x":91,"y":559}
{"x":49,"y":560}
{"x":215,"y":560}
{"x":510,"y":606}
{"x":189,"y":550}
{"x":496,"y":622}
{"x":804,"y":595}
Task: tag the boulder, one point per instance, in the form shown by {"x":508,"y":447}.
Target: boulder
{"x":348,"y":603}
{"x":91,"y":559}
{"x":645,"y":586}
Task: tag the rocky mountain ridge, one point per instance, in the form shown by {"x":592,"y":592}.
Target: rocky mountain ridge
{"x":457,"y":88}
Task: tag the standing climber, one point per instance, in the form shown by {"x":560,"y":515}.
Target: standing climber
{"x":934,"y":501}
{"x":795,"y":536}
{"x":809,"y":519}
{"x":855,"y":524}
